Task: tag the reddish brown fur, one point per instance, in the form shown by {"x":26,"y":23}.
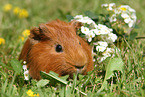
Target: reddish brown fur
{"x":40,"y":55}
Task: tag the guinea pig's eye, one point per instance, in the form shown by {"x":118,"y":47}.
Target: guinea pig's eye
{"x":58,"y":48}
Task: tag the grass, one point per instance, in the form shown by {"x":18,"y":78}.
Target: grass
{"x":128,"y":83}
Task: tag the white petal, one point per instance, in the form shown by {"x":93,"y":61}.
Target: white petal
{"x":100,"y":48}
{"x":24,"y":67}
{"x":104,"y":44}
{"x":104,"y":5}
{"x":26,"y":75}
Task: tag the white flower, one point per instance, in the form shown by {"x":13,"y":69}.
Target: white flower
{"x":104,"y":5}
{"x":133,"y":16}
{"x":108,"y":6}
{"x":111,"y":5}
{"x":126,"y":8}
{"x":108,"y":52}
{"x":104,"y":29}
{"x":101,"y":59}
{"x":100,"y":26}
{"x":101,"y":43}
{"x":112,"y":37}
{"x":131,"y":23}
{"x":130,"y":20}
{"x":123,"y":7}
{"x":127,"y":20}
{"x":24,"y":62}
{"x":132,"y":10}
{"x":78,"y":17}
{"x":25,"y":67}
{"x":85,"y":19}
{"x":113,"y":18}
{"x":96,"y":31}
{"x":88,"y":20}
{"x":124,"y":15}
{"x":26,"y":75}
{"x":90,"y":35}
{"x":100,"y":48}
{"x":85,"y":30}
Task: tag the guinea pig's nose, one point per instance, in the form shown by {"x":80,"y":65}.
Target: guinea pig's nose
{"x":79,"y":67}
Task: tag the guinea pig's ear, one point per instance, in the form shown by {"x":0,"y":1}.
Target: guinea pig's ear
{"x":76,"y":24}
{"x":38,"y":34}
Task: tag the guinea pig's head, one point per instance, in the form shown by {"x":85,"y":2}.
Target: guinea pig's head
{"x":55,"y":46}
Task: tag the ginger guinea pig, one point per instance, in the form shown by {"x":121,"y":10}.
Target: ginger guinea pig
{"x":55,"y":46}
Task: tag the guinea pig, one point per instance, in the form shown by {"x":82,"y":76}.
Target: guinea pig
{"x":55,"y":46}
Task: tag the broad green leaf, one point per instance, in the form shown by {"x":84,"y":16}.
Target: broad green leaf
{"x":53,"y":77}
{"x":114,"y":64}
{"x":69,"y":17}
{"x":42,"y":83}
{"x":16,"y":66}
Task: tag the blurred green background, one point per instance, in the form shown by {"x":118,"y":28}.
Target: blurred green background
{"x":46,"y":10}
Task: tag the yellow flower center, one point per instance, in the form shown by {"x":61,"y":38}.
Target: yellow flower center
{"x":123,"y":9}
{"x":26,"y":75}
{"x":91,"y":36}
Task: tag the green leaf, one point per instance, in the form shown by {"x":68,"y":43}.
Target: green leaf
{"x":114,"y":64}
{"x":53,"y":77}
{"x":69,"y":17}
{"x":42,"y":83}
{"x":16,"y":66}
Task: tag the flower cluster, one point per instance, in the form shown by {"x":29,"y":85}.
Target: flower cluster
{"x":2,"y":41}
{"x":26,"y":71}
{"x":99,"y":35}
{"x":21,"y":13}
{"x":126,"y":12}
{"x":31,"y":93}
{"x":25,"y":34}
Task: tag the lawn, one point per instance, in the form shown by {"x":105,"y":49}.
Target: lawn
{"x":126,"y":79}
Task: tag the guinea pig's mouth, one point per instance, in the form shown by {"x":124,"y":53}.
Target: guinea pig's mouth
{"x":79,"y":71}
